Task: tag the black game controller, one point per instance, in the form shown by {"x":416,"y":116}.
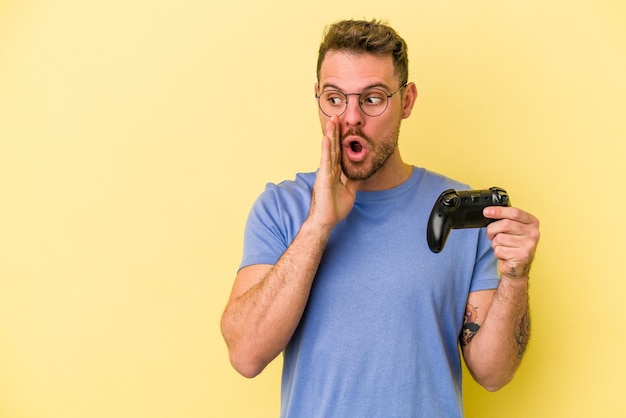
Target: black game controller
{"x":461,"y":209}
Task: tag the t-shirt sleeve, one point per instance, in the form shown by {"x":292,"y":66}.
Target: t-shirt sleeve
{"x":485,"y":274}
{"x":264,"y":241}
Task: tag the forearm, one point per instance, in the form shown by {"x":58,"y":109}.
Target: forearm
{"x":265,"y":309}
{"x":496,"y":350}
{"x":258,"y":324}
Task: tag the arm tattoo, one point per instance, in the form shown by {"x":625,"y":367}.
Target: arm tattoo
{"x":470,"y":327}
{"x":522,"y":334}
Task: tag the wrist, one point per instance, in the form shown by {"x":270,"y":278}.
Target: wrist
{"x":514,"y":271}
{"x":520,"y":282}
{"x":312,"y":227}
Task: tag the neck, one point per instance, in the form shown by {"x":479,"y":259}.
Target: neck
{"x":391,"y":175}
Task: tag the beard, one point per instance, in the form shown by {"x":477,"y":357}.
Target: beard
{"x":378,"y":154}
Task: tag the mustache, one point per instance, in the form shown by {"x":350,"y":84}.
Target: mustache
{"x":354,"y":132}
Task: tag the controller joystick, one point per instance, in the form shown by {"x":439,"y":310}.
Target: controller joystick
{"x":461,"y":209}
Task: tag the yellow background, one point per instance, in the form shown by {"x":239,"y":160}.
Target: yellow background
{"x":135,"y":135}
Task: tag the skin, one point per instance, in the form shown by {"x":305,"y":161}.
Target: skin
{"x":267,"y":302}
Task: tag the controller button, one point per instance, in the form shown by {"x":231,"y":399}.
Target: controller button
{"x":450,"y":200}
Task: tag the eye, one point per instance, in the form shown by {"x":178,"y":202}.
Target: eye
{"x":373,"y":97}
{"x":334,"y":98}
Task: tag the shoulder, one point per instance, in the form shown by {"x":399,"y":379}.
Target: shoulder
{"x":302,"y":183}
{"x":288,"y":200}
{"x":431,"y":182}
{"x":289,"y":193}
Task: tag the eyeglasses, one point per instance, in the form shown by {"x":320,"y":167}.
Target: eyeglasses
{"x":373,"y":101}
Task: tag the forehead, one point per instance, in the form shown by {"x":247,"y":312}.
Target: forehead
{"x":355,"y":71}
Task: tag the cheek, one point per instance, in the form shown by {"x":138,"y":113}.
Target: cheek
{"x":386,"y":129}
{"x":378,"y":127}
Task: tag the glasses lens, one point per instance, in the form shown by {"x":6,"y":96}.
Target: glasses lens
{"x":333,"y":102}
{"x":373,"y":102}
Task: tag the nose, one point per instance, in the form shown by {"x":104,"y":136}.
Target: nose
{"x":353,"y":115}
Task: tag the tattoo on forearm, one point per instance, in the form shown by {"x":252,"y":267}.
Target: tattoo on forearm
{"x":470,"y":327}
{"x":522,"y":334}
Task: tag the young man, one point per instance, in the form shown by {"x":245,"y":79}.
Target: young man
{"x":337,"y":274}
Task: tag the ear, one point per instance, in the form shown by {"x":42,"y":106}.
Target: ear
{"x":410,"y":96}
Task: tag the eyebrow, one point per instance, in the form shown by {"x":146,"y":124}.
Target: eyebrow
{"x":371,"y":86}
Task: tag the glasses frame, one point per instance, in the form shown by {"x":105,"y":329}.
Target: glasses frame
{"x":389,"y":95}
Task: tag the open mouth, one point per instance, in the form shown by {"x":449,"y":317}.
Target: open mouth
{"x":355,"y":149}
{"x":356,"y":146}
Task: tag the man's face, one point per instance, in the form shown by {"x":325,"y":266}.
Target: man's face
{"x":368,"y":144}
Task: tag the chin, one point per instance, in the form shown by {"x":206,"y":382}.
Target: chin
{"x":357,"y":173}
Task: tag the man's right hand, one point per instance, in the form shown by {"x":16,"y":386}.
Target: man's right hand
{"x":267,"y":302}
{"x":333,"y":193}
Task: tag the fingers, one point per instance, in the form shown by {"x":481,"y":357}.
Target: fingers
{"x":325,"y":164}
{"x":500,"y":212}
{"x":514,"y":238}
{"x":333,"y":194}
{"x":328,"y":161}
{"x":510,"y":220}
{"x":333,"y":136}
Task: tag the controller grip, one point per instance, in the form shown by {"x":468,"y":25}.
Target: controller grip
{"x":438,"y":229}
{"x":440,"y":221}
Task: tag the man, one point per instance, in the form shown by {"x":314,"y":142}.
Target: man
{"x":337,"y":274}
